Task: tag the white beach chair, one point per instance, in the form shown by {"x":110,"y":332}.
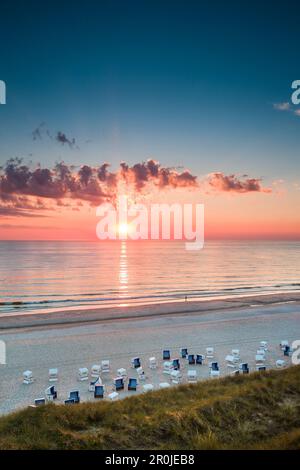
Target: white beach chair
{"x":164,"y":385}
{"x":236,"y":354}
{"x":122,"y":373}
{"x":261,"y":352}
{"x":53,"y":375}
{"x":94,"y":383}
{"x":28,"y":377}
{"x":260,"y":360}
{"x":152,"y":363}
{"x":141,"y":373}
{"x":214,"y":369}
{"x":264,"y":345}
{"x":83,"y":374}
{"x":168,"y":367}
{"x":95,"y":371}
{"x":280,"y":363}
{"x":148,"y":388}
{"x":105,"y":366}
{"x":210,"y":352}
{"x":113,"y":396}
{"x":231,"y":360}
{"x":192,"y":376}
{"x":214,"y":373}
{"x":176,"y":376}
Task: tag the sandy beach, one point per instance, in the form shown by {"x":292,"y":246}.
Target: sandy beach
{"x":73,"y":339}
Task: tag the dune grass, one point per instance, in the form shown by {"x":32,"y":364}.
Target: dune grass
{"x":259,"y":411}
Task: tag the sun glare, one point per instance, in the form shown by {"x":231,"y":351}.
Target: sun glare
{"x":123,"y":229}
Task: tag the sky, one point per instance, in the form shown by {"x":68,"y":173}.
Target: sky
{"x":194,"y":86}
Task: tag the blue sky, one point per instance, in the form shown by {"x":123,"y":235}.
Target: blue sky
{"x":187,"y":83}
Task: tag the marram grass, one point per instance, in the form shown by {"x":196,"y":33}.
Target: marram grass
{"x":257,"y":411}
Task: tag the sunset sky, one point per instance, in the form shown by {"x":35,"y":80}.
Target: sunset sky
{"x":204,"y":90}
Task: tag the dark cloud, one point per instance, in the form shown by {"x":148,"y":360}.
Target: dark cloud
{"x":232,"y":183}
{"x":63,"y":139}
{"x":24,"y":188}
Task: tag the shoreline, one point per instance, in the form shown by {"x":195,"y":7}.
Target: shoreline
{"x":85,"y":315}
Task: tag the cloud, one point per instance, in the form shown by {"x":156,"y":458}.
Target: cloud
{"x":63,"y":139}
{"x":36,"y":189}
{"x":232,"y":183}
{"x":41,"y":131}
{"x":285,"y":106}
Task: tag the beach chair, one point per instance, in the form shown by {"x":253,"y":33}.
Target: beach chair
{"x":231,"y":361}
{"x":164,"y":385}
{"x":51,"y":393}
{"x":191,"y":359}
{"x":118,"y":384}
{"x":192,"y":376}
{"x":99,"y":391}
{"x":261,"y":368}
{"x":135,"y":362}
{"x":74,"y":395}
{"x":148,"y":388}
{"x":83,"y":374}
{"x":280,"y":363}
{"x":28,"y":377}
{"x":113,"y":396}
{"x":105,"y":366}
{"x":176,"y":364}
{"x":184,"y":352}
{"x":152,"y":363}
{"x":53,"y":375}
{"x":259,"y":360}
{"x":95,"y":371}
{"x":93,"y":384}
{"x":264,"y":345}
{"x":168,"y":367}
{"x":132,"y":384}
{"x":39,"y":402}
{"x":283,"y":344}
{"x":200,"y":359}
{"x":236,"y":354}
{"x":166,"y":355}
{"x":210,"y":352}
{"x":176,"y":376}
{"x":214,"y":369}
{"x":214,"y":373}
{"x":235,"y":372}
{"x":69,"y":401}
{"x":122,"y":373}
{"x":261,"y":352}
{"x":141,"y":373}
{"x":244,"y":368}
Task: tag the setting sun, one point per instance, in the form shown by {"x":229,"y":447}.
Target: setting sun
{"x":123,"y":229}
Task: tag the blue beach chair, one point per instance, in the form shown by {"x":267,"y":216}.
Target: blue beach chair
{"x":132,"y":384}
{"x":166,"y":355}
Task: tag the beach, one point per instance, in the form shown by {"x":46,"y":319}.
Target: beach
{"x":71,"y":339}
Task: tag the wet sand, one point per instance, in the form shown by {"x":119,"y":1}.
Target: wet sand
{"x":22,"y":319}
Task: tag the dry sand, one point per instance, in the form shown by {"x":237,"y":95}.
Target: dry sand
{"x":73,"y":339}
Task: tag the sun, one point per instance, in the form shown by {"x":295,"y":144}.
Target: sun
{"x":123,"y":229}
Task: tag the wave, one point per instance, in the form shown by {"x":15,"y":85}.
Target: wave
{"x":97,"y":298}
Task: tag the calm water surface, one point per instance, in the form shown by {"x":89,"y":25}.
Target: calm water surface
{"x":44,"y":275}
